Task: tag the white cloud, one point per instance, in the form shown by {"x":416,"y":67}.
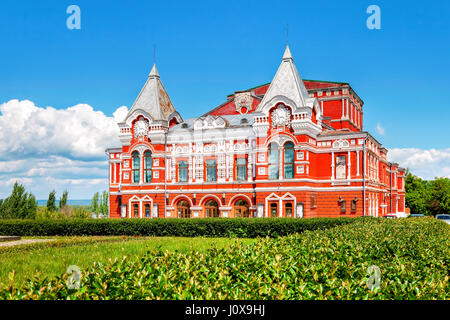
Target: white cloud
{"x":48,"y":148}
{"x":380,"y":129}
{"x":426,"y":164}
{"x":76,"y":132}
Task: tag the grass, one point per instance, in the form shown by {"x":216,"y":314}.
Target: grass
{"x":49,"y":259}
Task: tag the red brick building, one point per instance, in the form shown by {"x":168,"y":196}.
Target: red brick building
{"x":289,"y":148}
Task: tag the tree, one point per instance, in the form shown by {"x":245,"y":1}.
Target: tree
{"x":440,"y":195}
{"x":105,"y":198}
{"x":94,"y":203}
{"x":31,"y":207}
{"x":63,"y":199}
{"x":417,"y":195}
{"x":51,"y":202}
{"x":19,"y":205}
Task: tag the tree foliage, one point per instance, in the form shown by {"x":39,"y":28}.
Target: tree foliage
{"x":427,"y":197}
{"x":19,"y":205}
{"x":63,"y":200}
{"x":51,"y":202}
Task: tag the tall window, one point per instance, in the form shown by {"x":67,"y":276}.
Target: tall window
{"x":274,"y":210}
{"x":148,"y":166}
{"x":273,"y":161}
{"x":135,"y":210}
{"x":289,"y":160}
{"x":147,"y":210}
{"x":135,"y":166}
{"x":288,"y":209}
{"x":211,"y":170}
{"x":182,"y":171}
{"x":241,"y":169}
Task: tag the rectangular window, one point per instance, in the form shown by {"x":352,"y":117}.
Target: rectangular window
{"x":156,"y":174}
{"x":300,"y":155}
{"x":182,"y":171}
{"x":211,"y":170}
{"x":262,"y":171}
{"x":241,"y":169}
{"x":300,"y":169}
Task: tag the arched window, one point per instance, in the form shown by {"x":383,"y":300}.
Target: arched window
{"x":183,"y":209}
{"x":241,"y":209}
{"x":148,"y":166}
{"x":212,"y":209}
{"x":289,"y":160}
{"x":136,"y":168}
{"x":273,"y":161}
{"x":182,"y":171}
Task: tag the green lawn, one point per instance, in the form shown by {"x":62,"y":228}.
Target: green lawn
{"x":49,"y":259}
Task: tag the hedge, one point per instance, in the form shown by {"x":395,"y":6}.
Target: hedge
{"x":212,"y":227}
{"x":413,"y":256}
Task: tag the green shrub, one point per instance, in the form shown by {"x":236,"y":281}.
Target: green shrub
{"x":412,"y":254}
{"x":212,"y":227}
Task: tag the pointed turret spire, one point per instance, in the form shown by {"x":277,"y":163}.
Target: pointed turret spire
{"x":153,"y":99}
{"x":154,"y":72}
{"x":287,"y":53}
{"x":286,"y":84}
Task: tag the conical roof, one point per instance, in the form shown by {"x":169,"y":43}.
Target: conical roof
{"x":153,"y":99}
{"x":286,"y":83}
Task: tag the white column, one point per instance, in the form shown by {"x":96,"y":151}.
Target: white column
{"x":346,"y":107}
{"x":343,"y":114}
{"x":280,"y":162}
{"x":332,"y":165}
{"x":357,"y":163}
{"x":349,"y":166}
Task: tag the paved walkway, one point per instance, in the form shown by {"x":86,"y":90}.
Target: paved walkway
{"x":23,"y":241}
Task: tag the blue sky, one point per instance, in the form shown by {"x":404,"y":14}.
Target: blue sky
{"x":208,"y":49}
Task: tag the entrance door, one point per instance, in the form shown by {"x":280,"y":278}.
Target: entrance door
{"x":273,"y":208}
{"x":212,"y":209}
{"x":183,"y":209}
{"x":241,"y":209}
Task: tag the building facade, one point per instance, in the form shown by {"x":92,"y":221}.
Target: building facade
{"x":289,"y":148}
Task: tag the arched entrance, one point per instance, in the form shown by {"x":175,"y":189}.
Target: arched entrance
{"x":211,"y":209}
{"x":183,"y":209}
{"x":241,"y":209}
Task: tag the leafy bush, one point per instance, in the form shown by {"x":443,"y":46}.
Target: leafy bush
{"x":412,"y":254}
{"x":212,"y":227}
{"x":66,"y":212}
